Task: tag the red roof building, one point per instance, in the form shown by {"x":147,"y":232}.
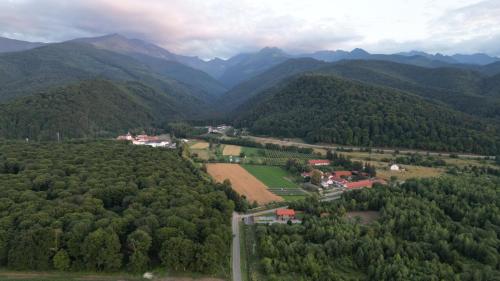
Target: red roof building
{"x":319,"y":162}
{"x":342,"y":173}
{"x":359,"y":184}
{"x":285,"y":213}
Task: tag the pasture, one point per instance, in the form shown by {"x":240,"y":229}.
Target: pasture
{"x":200,"y":145}
{"x":231,"y":150}
{"x":272,"y":176}
{"x":273,"y":157}
{"x":243,"y":182}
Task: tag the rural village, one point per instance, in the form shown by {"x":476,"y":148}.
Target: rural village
{"x":267,"y":174}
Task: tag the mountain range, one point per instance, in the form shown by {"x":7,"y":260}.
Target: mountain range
{"x":112,"y":83}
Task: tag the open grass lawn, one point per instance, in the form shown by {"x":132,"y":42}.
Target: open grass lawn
{"x":411,"y":172}
{"x":271,"y":176}
{"x":252,"y":151}
{"x":291,"y":198}
{"x":203,"y":154}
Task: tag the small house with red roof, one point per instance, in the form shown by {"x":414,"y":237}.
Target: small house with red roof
{"x":319,"y":162}
{"x":342,"y":173}
{"x":285,"y":214}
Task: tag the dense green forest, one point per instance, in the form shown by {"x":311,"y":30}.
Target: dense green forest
{"x":95,"y":108}
{"x":323,"y":108}
{"x":32,"y":71}
{"x":430,"y":229}
{"x":105,"y":206}
{"x":465,"y":90}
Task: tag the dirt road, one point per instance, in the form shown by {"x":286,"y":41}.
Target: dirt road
{"x":354,"y":148}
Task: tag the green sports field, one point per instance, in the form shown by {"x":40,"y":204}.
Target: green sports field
{"x":272,"y":176}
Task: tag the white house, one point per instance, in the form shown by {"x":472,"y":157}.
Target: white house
{"x":394,"y":167}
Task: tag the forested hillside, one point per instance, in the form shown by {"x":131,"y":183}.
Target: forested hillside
{"x":244,"y":91}
{"x":106,"y":206}
{"x":25,"y":73}
{"x":430,"y":229}
{"x":95,"y":108}
{"x":461,"y":89}
{"x":322,"y":108}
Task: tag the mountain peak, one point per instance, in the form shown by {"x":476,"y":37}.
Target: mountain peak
{"x":272,"y":50}
{"x":359,"y":52}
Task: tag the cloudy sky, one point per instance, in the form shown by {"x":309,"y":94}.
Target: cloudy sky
{"x":209,"y":28}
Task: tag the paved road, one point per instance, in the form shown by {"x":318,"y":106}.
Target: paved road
{"x":236,"y":247}
{"x":354,"y":148}
{"x":235,"y":225}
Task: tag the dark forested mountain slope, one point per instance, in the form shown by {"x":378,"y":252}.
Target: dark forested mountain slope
{"x":24,"y":73}
{"x":249,"y":88}
{"x":198,"y":82}
{"x":121,"y":44}
{"x":461,"y":89}
{"x":323,"y":108}
{"x":86,"y":109}
{"x":12,"y":45}
{"x":246,"y":66}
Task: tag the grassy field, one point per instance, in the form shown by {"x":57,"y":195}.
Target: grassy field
{"x":272,"y":176}
{"x":291,"y":198}
{"x":273,"y":157}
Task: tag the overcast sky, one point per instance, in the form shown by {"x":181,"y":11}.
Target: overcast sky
{"x":209,"y":28}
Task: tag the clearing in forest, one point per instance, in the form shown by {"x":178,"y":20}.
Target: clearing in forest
{"x":200,"y":145}
{"x":366,"y":217}
{"x":243,"y":182}
{"x":231,"y":150}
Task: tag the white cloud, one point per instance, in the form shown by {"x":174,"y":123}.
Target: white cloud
{"x":225,"y":27}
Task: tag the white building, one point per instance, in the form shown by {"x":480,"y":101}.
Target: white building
{"x":394,"y":167}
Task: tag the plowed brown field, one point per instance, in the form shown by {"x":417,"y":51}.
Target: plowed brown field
{"x":243,"y":182}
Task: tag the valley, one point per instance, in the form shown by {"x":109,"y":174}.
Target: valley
{"x":119,"y":158}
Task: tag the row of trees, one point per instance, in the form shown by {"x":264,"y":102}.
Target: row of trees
{"x":104,"y":206}
{"x":429,"y":229}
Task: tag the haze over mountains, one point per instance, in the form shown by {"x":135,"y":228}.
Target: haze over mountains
{"x":156,"y":86}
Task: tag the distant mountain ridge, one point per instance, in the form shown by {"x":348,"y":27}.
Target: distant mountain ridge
{"x":244,"y":66}
{"x":462,"y":89}
{"x":12,"y":45}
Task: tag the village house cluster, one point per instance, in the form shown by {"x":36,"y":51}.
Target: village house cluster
{"x":220,"y":129}
{"x":340,"y":179}
{"x":144,"y":139}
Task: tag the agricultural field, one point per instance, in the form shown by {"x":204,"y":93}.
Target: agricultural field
{"x":411,"y":172}
{"x":272,"y":176}
{"x":243,"y":182}
{"x":199,"y":145}
{"x":231,"y":150}
{"x":278,"y":181}
{"x":273,"y":157}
